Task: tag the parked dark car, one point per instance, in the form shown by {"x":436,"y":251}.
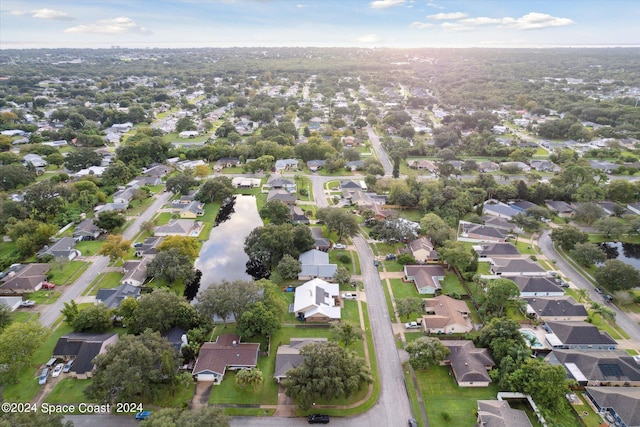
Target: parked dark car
{"x":598,"y":290}
{"x":318,"y":419}
{"x":413,"y":422}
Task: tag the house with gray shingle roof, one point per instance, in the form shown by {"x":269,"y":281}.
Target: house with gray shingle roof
{"x":498,"y":413}
{"x":62,"y":248}
{"x":135,"y":272}
{"x":288,"y":356}
{"x":179,"y":227}
{"x":498,"y":249}
{"x":562,"y":308}
{"x":533,"y":286}
{"x":516,"y":267}
{"x":112,"y":297}
{"x":578,"y":336}
{"x":622,"y":404}
{"x":315,"y":263}
{"x":470,"y":365}
{"x":598,"y":368}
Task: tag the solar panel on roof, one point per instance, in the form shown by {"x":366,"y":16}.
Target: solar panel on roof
{"x":610,"y":369}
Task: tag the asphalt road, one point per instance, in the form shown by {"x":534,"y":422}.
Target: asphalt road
{"x":622,"y":319}
{"x":382,"y":154}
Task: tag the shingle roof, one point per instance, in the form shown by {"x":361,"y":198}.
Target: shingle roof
{"x":559,"y":306}
{"x":468,"y":362}
{"x":624,"y":400}
{"x":498,"y":413}
{"x":112,"y":297}
{"x":535,"y":284}
{"x":596,"y":365}
{"x":516,"y":266}
{"x":216,"y":356}
{"x":288,"y":356}
{"x":580,"y":333}
{"x":499,"y":248}
{"x":83,"y":346}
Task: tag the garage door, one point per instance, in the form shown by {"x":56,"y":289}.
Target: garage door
{"x":206,"y":377}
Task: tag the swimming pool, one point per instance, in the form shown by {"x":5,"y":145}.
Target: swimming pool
{"x":531,"y":339}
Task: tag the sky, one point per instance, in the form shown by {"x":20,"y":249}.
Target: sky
{"x":319,"y":23}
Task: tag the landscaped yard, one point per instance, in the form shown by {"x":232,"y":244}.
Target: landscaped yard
{"x":443,"y":396}
{"x":89,"y":247}
{"x":403,"y":289}
{"x":69,"y":391}
{"x":163,"y":218}
{"x":67,"y":273}
{"x":110,"y":279}
{"x":451,"y":285}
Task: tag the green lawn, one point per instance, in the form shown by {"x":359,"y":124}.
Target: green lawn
{"x":208,"y":219}
{"x":388,"y":299}
{"x":334,"y":258}
{"x":392,"y":266}
{"x":27,"y":386}
{"x":24,"y":316}
{"x":442,"y":395}
{"x":69,"y":391}
{"x":68,"y":272}
{"x":44,"y":296}
{"x":451,"y":285}
{"x":401,"y":289}
{"x":483,"y":268}
{"x":89,"y":247}
{"x":110,"y":279}
{"x":163,"y":218}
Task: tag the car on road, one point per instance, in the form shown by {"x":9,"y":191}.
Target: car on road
{"x":143,"y":415}
{"x":339,"y":246}
{"x":67,"y":366}
{"x":318,"y":419}
{"x":598,"y":290}
{"x":57,"y":370}
{"x":413,"y":422}
{"x":376,"y":262}
{"x":43,"y":376}
{"x":27,"y":303}
{"x":607,"y":298}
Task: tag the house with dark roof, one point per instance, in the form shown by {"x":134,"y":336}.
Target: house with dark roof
{"x":355,"y":197}
{"x":62,"y":248}
{"x":314,"y":264}
{"x":498,"y":249}
{"x":193,"y":210}
{"x":277,"y":181}
{"x":500,"y":209}
{"x":23,"y":278}
{"x":354,"y":165}
{"x":539,"y":286}
{"x":498,"y":413}
{"x":112,"y":297}
{"x":184,"y":200}
{"x":578,"y":336}
{"x":422,"y":250}
{"x":86,"y":230}
{"x":470,"y":365}
{"x":288,"y":356}
{"x":426,"y":278}
{"x":177,"y":337}
{"x":446,"y":315}
{"x":179,"y":227}
{"x":157,"y":170}
{"x":562,"y":209}
{"x":317,"y":301}
{"x":227,"y":352}
{"x":598,"y":368}
{"x":488,"y":167}
{"x":83,"y":347}
{"x":123,"y":196}
{"x":135,"y":272}
{"x":320,"y":243}
{"x":349,"y":184}
{"x":621,"y":405}
{"x":481,"y":233}
{"x":516,"y":267}
{"x":562,"y":308}
{"x":149,"y":245}
{"x":544,"y":166}
{"x":314,"y":165}
{"x":497,"y":222}
{"x":522,"y":205}
{"x":297,"y":215}
{"x":283,"y":195}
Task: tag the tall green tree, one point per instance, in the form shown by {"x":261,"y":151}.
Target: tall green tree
{"x":162,"y":310}
{"x":499,"y":295}
{"x":327,"y":372}
{"x":218,"y":188}
{"x":567,"y":236}
{"x":425,"y":352}
{"x":259,"y":319}
{"x":615,"y":275}
{"x":346,"y":332}
{"x":18,"y":343}
{"x":250,"y":378}
{"x":340,"y":221}
{"x":588,"y":254}
{"x":226,"y":298}
{"x":276,"y":212}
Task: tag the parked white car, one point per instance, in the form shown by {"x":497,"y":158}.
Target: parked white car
{"x":339,"y":246}
{"x":57,"y":370}
{"x":412,"y":325}
{"x":349,"y":296}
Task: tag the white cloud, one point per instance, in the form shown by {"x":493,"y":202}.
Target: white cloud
{"x":418,"y":24}
{"x":385,"y":4}
{"x":51,"y":14}
{"x":535,"y":20}
{"x":435,"y":5}
{"x":447,"y":16}
{"x":17,"y":12}
{"x":481,"y":20}
{"x":119,"y":25}
{"x":302,"y":6}
{"x":454,"y":26}
{"x":368,"y":38}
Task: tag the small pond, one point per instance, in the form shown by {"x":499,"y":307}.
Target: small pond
{"x":222,"y":256}
{"x":628,"y":253}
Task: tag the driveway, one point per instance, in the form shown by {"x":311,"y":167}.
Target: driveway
{"x":622,"y":319}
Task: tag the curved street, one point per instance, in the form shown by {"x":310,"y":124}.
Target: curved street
{"x":623,"y":320}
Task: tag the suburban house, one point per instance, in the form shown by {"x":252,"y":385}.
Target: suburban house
{"x":297,"y":215}
{"x":12,"y":302}
{"x":245,"y":182}
{"x":86,"y":230}
{"x":354,"y":196}
{"x":62,"y":248}
{"x":482,"y":233}
{"x":314,"y":165}
{"x":177,"y":337}
{"x":500,"y":209}
{"x":184,"y":200}
{"x":621,"y":405}
{"x":354,"y":165}
{"x":83,"y":347}
{"x":227,"y":352}
{"x":537,"y":286}
{"x":141,"y":181}
{"x":112,"y":297}
{"x":288,"y":356}
{"x":277,"y":181}
{"x":562,"y":209}
{"x":522,"y":167}
{"x":286,"y":164}
{"x":123,"y":196}
{"x":498,"y":413}
{"x":497,"y":222}
{"x":193,"y":210}
{"x":446,"y":315}
{"x":501,"y":250}
{"x":422,"y":250}
{"x":283,"y":195}
{"x":179,"y":227}
{"x":349,"y":141}
{"x":315,"y":123}
{"x":425,"y":277}
{"x":562,"y":308}
{"x":598,"y":368}
{"x":320,"y":243}
{"x":148,"y":247}
{"x":156,"y":169}
{"x":135,"y":272}
{"x":516,"y":267}
{"x":227,"y":162}
{"x":317,"y":301}
{"x":348,"y":184}
{"x":34,"y":160}
{"x":578,"y":336}
{"x":488,"y":167}
{"x":190,"y":164}
{"x":23,"y":278}
{"x":423,"y":164}
{"x":111,"y":207}
{"x":470,"y":365}
{"x":544,"y":166}
{"x":315,"y":263}
{"x":522,"y":205}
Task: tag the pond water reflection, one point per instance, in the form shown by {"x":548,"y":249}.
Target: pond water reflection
{"x":629,"y":253}
{"x":222,"y":256}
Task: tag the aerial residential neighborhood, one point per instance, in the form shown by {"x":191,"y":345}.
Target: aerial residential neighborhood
{"x":273,"y":236}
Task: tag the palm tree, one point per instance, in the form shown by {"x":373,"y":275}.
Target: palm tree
{"x":250,"y":377}
{"x":604,"y":312}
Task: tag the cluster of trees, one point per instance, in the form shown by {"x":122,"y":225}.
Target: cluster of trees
{"x":267,"y":245}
